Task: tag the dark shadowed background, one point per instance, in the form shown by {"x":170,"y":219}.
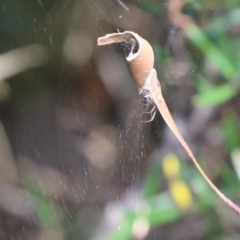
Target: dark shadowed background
{"x":78,"y":159}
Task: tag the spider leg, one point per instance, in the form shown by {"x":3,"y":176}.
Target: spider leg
{"x":150,"y":107}
{"x":153,"y":114}
{"x":145,"y":109}
{"x":151,"y":111}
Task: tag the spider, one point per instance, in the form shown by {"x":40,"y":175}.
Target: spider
{"x":148,"y":102}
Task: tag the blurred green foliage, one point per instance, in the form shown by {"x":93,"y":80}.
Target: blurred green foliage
{"x":47,"y":212}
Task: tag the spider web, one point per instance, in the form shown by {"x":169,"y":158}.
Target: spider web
{"x":78,"y":144}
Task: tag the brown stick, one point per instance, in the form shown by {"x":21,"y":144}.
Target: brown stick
{"x":140,"y":60}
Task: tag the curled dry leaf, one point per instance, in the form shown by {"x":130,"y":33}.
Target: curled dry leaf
{"x":140,"y":60}
{"x":140,"y":57}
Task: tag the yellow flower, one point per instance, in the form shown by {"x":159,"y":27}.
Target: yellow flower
{"x":171,"y":165}
{"x":181,"y":194}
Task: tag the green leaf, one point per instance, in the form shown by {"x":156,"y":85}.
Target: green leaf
{"x":215,"y":96}
{"x":202,"y":84}
{"x":163,"y":210}
{"x":125,"y":230}
{"x":230,"y":130}
{"x":44,"y":206}
{"x":152,"y":182}
{"x":212,"y":54}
